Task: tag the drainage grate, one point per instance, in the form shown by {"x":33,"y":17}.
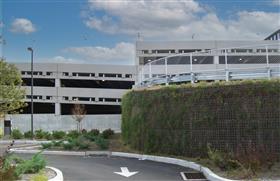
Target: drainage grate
{"x":193,"y":176}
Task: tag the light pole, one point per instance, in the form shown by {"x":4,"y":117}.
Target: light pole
{"x":32,"y":108}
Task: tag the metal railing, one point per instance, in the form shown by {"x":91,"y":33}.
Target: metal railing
{"x":246,"y":62}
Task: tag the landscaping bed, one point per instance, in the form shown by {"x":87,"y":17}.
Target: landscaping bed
{"x":87,"y":141}
{"x":45,"y":174}
{"x":16,"y":168}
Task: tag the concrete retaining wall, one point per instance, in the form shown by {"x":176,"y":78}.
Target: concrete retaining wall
{"x":50,"y":122}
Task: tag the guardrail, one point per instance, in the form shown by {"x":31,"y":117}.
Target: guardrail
{"x":187,"y":67}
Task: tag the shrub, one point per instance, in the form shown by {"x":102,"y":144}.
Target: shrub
{"x":28,"y":135}
{"x":57,"y":143}
{"x":107,"y":133}
{"x":16,"y":134}
{"x":58,"y":134}
{"x":102,"y":143}
{"x":39,"y":177}
{"x":73,"y":134}
{"x":84,"y":131}
{"x":81,"y":142}
{"x":68,"y":146}
{"x":94,"y":132}
{"x":255,"y":156}
{"x":34,"y":165}
{"x":48,"y":136}
{"x":40,"y":134}
{"x":7,"y":171}
{"x":1,"y":133}
{"x":222,"y":160}
{"x":46,"y":145}
{"x":83,"y":146}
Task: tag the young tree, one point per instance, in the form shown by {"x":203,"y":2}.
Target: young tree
{"x":78,"y":113}
{"x":11,"y":93}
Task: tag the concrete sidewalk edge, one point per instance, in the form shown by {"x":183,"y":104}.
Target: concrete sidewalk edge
{"x":59,"y":175}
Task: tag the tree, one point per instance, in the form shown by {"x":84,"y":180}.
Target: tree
{"x":78,"y":113}
{"x":11,"y":92}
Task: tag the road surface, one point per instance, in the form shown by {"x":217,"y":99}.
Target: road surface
{"x":78,"y":168}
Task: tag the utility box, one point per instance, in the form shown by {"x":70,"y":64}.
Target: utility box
{"x":7,"y":127}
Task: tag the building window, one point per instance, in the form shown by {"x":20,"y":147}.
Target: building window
{"x":65,"y":74}
{"x":128,"y":75}
{"x":84,"y":99}
{"x":49,"y":97}
{"x":49,"y":73}
{"x":145,"y":51}
{"x":65,"y":98}
{"x":166,"y":51}
{"x":82,"y":74}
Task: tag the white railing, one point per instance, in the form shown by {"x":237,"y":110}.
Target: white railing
{"x":246,"y":62}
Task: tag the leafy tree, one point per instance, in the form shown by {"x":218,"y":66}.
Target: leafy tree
{"x":11,"y":93}
{"x":78,"y":113}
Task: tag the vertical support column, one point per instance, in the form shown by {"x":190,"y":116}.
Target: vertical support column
{"x":57,"y":109}
{"x":166,"y":71}
{"x":150,"y":70}
{"x":142,"y":73}
{"x":226,"y":63}
{"x":57,"y":82}
{"x":267,"y":63}
{"x":139,"y":76}
{"x":191,"y":67}
{"x":57,"y":100}
{"x":267,"y":59}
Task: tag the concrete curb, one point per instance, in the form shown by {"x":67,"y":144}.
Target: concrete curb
{"x":206,"y":171}
{"x":59,"y":175}
{"x":46,"y":152}
{"x":24,"y":141}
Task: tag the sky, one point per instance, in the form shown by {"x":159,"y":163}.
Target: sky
{"x":105,"y":31}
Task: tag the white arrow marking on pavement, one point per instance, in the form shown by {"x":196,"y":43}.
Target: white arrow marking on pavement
{"x":125,"y":172}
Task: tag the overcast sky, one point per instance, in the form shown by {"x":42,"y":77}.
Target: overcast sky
{"x":104,"y":31}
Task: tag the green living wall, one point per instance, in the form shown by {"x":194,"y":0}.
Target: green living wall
{"x":184,"y":119}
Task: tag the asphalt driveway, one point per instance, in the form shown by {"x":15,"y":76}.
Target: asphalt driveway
{"x":78,"y":168}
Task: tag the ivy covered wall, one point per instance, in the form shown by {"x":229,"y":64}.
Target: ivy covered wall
{"x":183,"y":119}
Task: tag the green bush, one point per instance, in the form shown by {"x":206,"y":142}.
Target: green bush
{"x":73,"y":134}
{"x":39,"y":134}
{"x":94,"y":132}
{"x":28,"y":135}
{"x":34,"y":165}
{"x":16,"y":134}
{"x":182,"y":119}
{"x":58,"y":134}
{"x":7,"y":171}
{"x":68,"y":146}
{"x":81,"y":142}
{"x":102,"y":143}
{"x":1,"y":133}
{"x":48,"y":136}
{"x":83,"y":146}
{"x":46,"y":145}
{"x":84,"y":131}
{"x":224,"y":161}
{"x":108,"y":133}
{"x":39,"y":177}
{"x":57,"y":143}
